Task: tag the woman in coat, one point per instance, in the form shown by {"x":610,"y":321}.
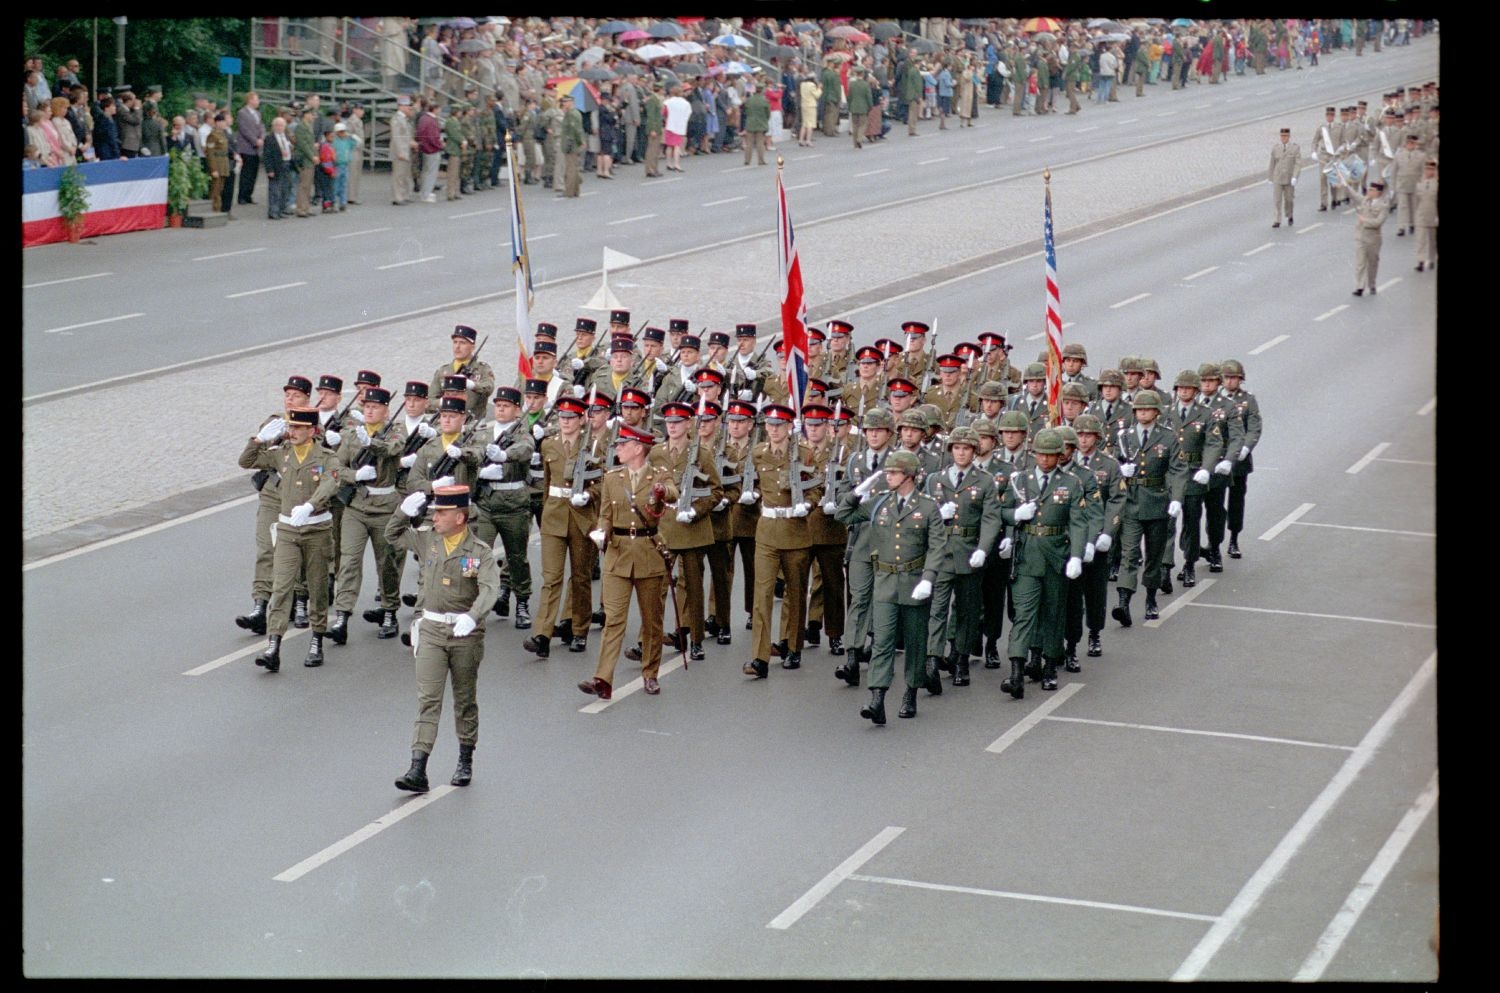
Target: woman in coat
{"x":609,"y":126}
{"x":809,"y":93}
{"x":67,"y":141}
{"x":963,"y":92}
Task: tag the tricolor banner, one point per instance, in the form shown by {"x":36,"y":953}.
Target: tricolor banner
{"x":124,"y":195}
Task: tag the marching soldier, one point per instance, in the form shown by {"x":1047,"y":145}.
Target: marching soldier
{"x":309,"y":479}
{"x":1149,"y":459}
{"x":1114,"y":490}
{"x":996,"y":366}
{"x":865,"y":392}
{"x":459,"y":581}
{"x":1286,"y":160}
{"x":1247,"y":409}
{"x":915,"y":359}
{"x":834,"y":365}
{"x":1072,"y":400}
{"x":480,"y":377}
{"x":744,"y":507}
{"x":651,"y":368}
{"x":632,"y":500}
{"x":1131,"y":372}
{"x":680,"y":383}
{"x":1427,"y":216}
{"x":1150,"y":373}
{"x":1200,"y":445}
{"x":948,"y":395}
{"x":447,"y":458}
{"x":1094,"y":517}
{"x":621,"y":371}
{"x":296,"y":393}
{"x":1409,"y":165}
{"x":826,"y":593}
{"x":1074,"y":358}
{"x":711,"y":438}
{"x":1326,"y":141}
{"x":571,"y":475}
{"x":908,"y":548}
{"x":687,"y":530}
{"x":867,"y":463}
{"x":369,"y":458}
{"x":746,"y":372}
{"x":1368,"y":218}
{"x":1232,"y":427}
{"x":1032,"y":400}
{"x":586,"y":360}
{"x":504,"y":502}
{"x":1009,"y":458}
{"x":912,"y":431}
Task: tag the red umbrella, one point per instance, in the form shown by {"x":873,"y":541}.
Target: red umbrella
{"x":850,"y":33}
{"x":632,"y":36}
{"x":688,"y":20}
{"x":1034,"y":24}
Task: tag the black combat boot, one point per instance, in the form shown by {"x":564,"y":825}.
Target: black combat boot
{"x":1049,"y":674}
{"x":1033,"y":664}
{"x":724,"y":637}
{"x":1166,"y":582}
{"x":945,"y":662}
{"x":711,"y":627}
{"x":835,"y":645}
{"x":374,"y":615}
{"x":502,"y":602}
{"x":849,"y":670}
{"x":1189,"y":579}
{"x":934,"y":682}
{"x":875,"y":709}
{"x":388,"y":626}
{"x":254,"y":621}
{"x":339,"y":632}
{"x":597,"y":617}
{"x":563,"y":631}
{"x":579,"y":644}
{"x":538,"y":645}
{"x":1215,"y":563}
{"x":271,"y":657}
{"x":1122,"y":612}
{"x":299,"y":611}
{"x":991,"y":656}
{"x":1234,"y":545}
{"x":1151,"y":612}
{"x":1016,"y":684}
{"x":523,"y":613}
{"x":695,"y":651}
{"x":1114,"y":570}
{"x":960,"y":668}
{"x":908,"y":703}
{"x":465,"y":771}
{"x":314,"y":651}
{"x":814,"y":634}
{"x":1094,"y":650}
{"x":408,"y":599}
{"x":633,"y":653}
{"x":759,"y":668}
{"x":780,"y":648}
{"x":415,"y":779}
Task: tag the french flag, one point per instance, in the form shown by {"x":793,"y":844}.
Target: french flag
{"x":124,"y":195}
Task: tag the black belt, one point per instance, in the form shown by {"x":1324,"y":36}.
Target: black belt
{"x":1151,"y":480}
{"x":635,"y":532}
{"x":901,"y":567}
{"x":964,"y":532}
{"x":1043,"y":530}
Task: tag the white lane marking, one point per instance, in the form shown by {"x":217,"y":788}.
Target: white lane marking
{"x":1178,"y":602}
{"x":1036,"y":898}
{"x":872,"y":172}
{"x":841,"y":872}
{"x":1287,"y":521}
{"x":720,"y":203}
{"x":804,"y":158}
{"x":249,"y":650}
{"x":478,"y":213}
{"x":398,"y":265}
{"x":1311,"y":227}
{"x":70,"y":279}
{"x":365,"y":833}
{"x":1307,"y":613}
{"x":992,"y":148}
{"x":89,"y":324}
{"x":1233,"y":99}
{"x":1169,"y":113}
{"x":140,"y":533}
{"x":664,"y":180}
{"x":629,"y":220}
{"x":1388,"y":284}
{"x":1270,"y":344}
{"x":1045,"y":137}
{"x":265,"y":289}
{"x":1128,"y":120}
{"x":1427,"y":407}
{"x":803,"y":186}
{"x":1369,"y":884}
{"x":1269,"y":244}
{"x":1368,"y":457}
{"x":1068,"y":324}
{"x":1407,"y":462}
{"x":1122,"y":303}
{"x":935,"y":161}
{"x":1329,"y":313}
{"x":1031,"y":720}
{"x":1250,"y":895}
{"x":634,"y":686}
{"x":1034,"y":337}
{"x":1201,"y":272}
{"x":539,"y":237}
{"x":225,"y":255}
{"x":1083,"y":130}
{"x":1210,"y":734}
{"x":1259,"y":93}
{"x":1350,"y":527}
{"x":590,"y":193}
{"x":356,"y":234}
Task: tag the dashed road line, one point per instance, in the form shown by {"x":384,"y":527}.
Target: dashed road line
{"x":89,"y":324}
{"x":1287,"y":521}
{"x":1262,"y":248}
{"x":1210,"y":734}
{"x":70,"y":279}
{"x":1270,"y":344}
{"x":629,"y":220}
{"x":1311,"y":227}
{"x":720,"y":203}
{"x":365,"y":833}
{"x":398,"y":265}
{"x":1201,"y":272}
{"x":872,"y":172}
{"x":225,"y":255}
{"x":941,"y":158}
{"x":1329,"y":313}
{"x":1130,"y":300}
{"x":1369,"y":457}
{"x":841,"y":872}
{"x":1031,"y":720}
{"x":1308,"y":613}
{"x":356,"y":234}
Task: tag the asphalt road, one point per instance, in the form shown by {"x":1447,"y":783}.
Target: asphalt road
{"x":145,"y":301}
{"x":1200,"y":802}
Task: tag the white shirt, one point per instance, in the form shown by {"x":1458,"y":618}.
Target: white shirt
{"x":677,"y":111}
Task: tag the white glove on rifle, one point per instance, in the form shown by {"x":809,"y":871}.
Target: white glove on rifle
{"x":364,"y":474}
{"x":578,"y":392}
{"x":597,"y":537}
{"x":363,"y":436}
{"x":274,"y":428}
{"x":723,"y":502}
{"x":413,"y":504}
{"x":689,"y":386}
{"x":1224,"y":468}
{"x":464,"y":626}
{"x":492,"y":471}
{"x":356,"y":415}
{"x":453,"y":452}
{"x":800,"y":510}
{"x":1005,"y":548}
{"x":1088,"y":552}
{"x":922,"y":590}
{"x":976,"y":561}
{"x":468,"y":383}
{"x":1074,"y":568}
{"x":1244,"y":453}
{"x":577,"y":364}
{"x":1174,"y":509}
{"x":442,"y":481}
{"x":948,"y":510}
{"x":863,"y":489}
{"x":1026,"y":511}
{"x":1103,"y":542}
{"x":1201,"y":477}
{"x":426,"y":430}
{"x":746,"y":396}
{"x":407,"y":461}
{"x":748,"y":497}
{"x":332,"y":438}
{"x":686,"y":516}
{"x":1127,"y":469}
{"x":494,"y":452}
{"x":830,"y":508}
{"x":300,"y":514}
{"x":579,"y":499}
{"x":538,"y":432}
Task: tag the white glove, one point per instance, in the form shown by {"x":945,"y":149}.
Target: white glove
{"x":723,"y":502}
{"x":1201,"y":477}
{"x":464,"y":626}
{"x":1127,"y":469}
{"x":453,"y":452}
{"x":922,"y":590}
{"x":1103,"y":542}
{"x":300,"y":514}
{"x":830,"y":508}
{"x":442,"y":481}
{"x":578,"y":392}
{"x":332,"y":438}
{"x":538,"y":432}
{"x":1244,"y":452}
{"x":407,"y":461}
{"x":494,"y":452}
{"x":1026,"y":511}
{"x":863,"y":489}
{"x":577,"y":364}
{"x":800,"y":510}
{"x":273,"y":430}
{"x":364,"y":474}
{"x":976,"y":561}
{"x":426,"y":430}
{"x":1224,"y":468}
{"x":416,"y":633}
{"x":748,"y":497}
{"x":597,"y":537}
{"x":1005,"y":548}
{"x":1088,"y":552}
{"x":413,"y":504}
{"x":686,"y":516}
{"x":357,"y":415}
{"x":948,"y":510}
{"x":492,"y":471}
{"x":746,"y":396}
{"x":579,"y":499}
{"x":468,"y":383}
{"x":1174,"y":509}
{"x":1073,"y":569}
{"x":362,"y":435}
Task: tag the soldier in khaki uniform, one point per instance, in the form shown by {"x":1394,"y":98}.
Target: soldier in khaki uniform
{"x":572,"y":146}
{"x":867,"y":390}
{"x":480,"y":377}
{"x":571,"y":486}
{"x":1286,"y":160}
{"x":586,"y":360}
{"x":632,"y":500}
{"x":687,"y":529}
{"x":504,"y":499}
{"x":712,"y":438}
{"x":296,"y":393}
{"x":948,"y":395}
{"x":309,"y":480}
{"x":458,"y":582}
{"x":744,"y":503}
{"x":1426,"y":218}
{"x":1369,"y":216}
{"x":826,"y":589}
{"x":1410,"y":161}
{"x":436,"y":463}
{"x":369,"y":459}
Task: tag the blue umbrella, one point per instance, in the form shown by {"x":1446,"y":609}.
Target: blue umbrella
{"x":1182,"y":22}
{"x":664,"y":29}
{"x":804,"y":26}
{"x":614,"y":27}
{"x":732,"y":41}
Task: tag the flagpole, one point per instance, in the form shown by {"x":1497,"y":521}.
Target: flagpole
{"x":520,"y":263}
{"x":1052,"y":316}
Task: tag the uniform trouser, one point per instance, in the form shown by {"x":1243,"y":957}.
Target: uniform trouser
{"x":857,"y":125}
{"x":1041,"y":603}
{"x":529,"y":155}
{"x":1169,"y":550}
{"x":1366,"y":264}
{"x":1218,"y":491}
{"x":249,"y":173}
{"x":355,"y":528}
{"x":721,"y":577}
{"x":492,"y":166}
{"x":1191,"y":527}
{"x":514,"y":529}
{"x":452,"y":175}
{"x":1086,"y":596}
{"x":746,"y":546}
{"x":1071,"y":89}
{"x":1236,"y":514}
{"x":1427,"y":245}
{"x":570,"y":172}
{"x":912,"y":622}
{"x":438,"y":653}
{"x":266,"y":512}
{"x":653,"y":152}
{"x":479,"y":168}
{"x":1157,"y":533}
{"x":1322,"y":186}
{"x":962,"y":592}
{"x":791,"y":563}
{"x":689,"y":591}
{"x":1043,"y":101}
{"x":1405,"y":207}
{"x":335,"y":537}
{"x":1282,"y":195}
{"x":276,"y":192}
{"x":216,"y":191}
{"x":401,"y":180}
{"x":300,"y":551}
{"x":430,"y":163}
{"x":632,"y":141}
{"x":994,"y":587}
{"x":549,"y":161}
{"x":912,"y":110}
{"x":755,"y":140}
{"x":305,"y":188}
{"x":826,"y":591}
{"x":831,"y":118}
{"x":648,"y":594}
{"x":574,"y":551}
{"x":861,"y":585}
{"x":356,"y":170}
{"x":1018,"y":88}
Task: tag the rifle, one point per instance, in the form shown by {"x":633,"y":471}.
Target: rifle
{"x":366,"y":457}
{"x":831,"y":471}
{"x":414,"y":443}
{"x":448,"y":463}
{"x":463,"y":370}
{"x":1018,"y":532}
{"x":581,"y":463}
{"x":689,"y":472}
{"x":965,"y":415}
{"x":931,"y":355}
{"x":336,"y":422}
{"x":795,"y":472}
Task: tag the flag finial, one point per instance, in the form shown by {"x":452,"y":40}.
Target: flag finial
{"x":780,"y":162}
{"x":1047,"y":175}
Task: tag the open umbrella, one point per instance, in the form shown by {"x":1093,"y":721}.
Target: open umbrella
{"x":1034,"y":24}
{"x":732,"y":41}
{"x":687,"y":47}
{"x":629,"y":69}
{"x":648,"y":52}
{"x":1113,"y":36}
{"x":664,"y":29}
{"x":632,"y":36}
{"x":614,"y":27}
{"x":472,"y":45}
{"x":690,"y":69}
{"x":1182,"y":22}
{"x":589,"y":56}
{"x":804,"y":26}
{"x":885,"y":29}
{"x":585,"y":96}
{"x":1153,"y":21}
{"x":735,"y":69}
{"x":925,"y":45}
{"x":461,"y":22}
{"x":667,"y":76}
{"x":596,"y":74}
{"x":850,"y":34}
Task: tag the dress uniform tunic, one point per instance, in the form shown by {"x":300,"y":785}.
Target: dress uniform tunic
{"x":782,"y":542}
{"x":564,"y":530}
{"x":975,"y":525}
{"x":1042,"y":548}
{"x":689,"y":542}
{"x":365,"y":517}
{"x":632,"y":561}
{"x":1156,"y":481}
{"x":505,"y":502}
{"x":309,"y":474}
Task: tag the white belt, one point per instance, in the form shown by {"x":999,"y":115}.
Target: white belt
{"x":776,"y":512}
{"x":380,"y":490}
{"x":322,"y":518}
{"x":515,"y":485}
{"x":562,"y":492}
{"x":437,"y":618}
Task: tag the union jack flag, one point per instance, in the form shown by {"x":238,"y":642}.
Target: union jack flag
{"x":1054,"y":313}
{"x":793,"y":308}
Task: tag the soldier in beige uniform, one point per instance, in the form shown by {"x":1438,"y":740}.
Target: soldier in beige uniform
{"x":1426,"y":219}
{"x":948,"y":395}
{"x":711,"y":438}
{"x":1409,"y":164}
{"x":686,"y":528}
{"x":480,"y":377}
{"x":1286,"y":157}
{"x":570,"y":477}
{"x":1368,"y":217}
{"x":296,"y":393}
{"x":828,"y":536}
{"x":369,"y":459}
{"x":737,"y":475}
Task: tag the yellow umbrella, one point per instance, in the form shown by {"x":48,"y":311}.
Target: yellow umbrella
{"x":1033,"y":24}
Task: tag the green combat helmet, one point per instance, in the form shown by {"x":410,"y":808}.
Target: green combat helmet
{"x":1087,"y":423}
{"x":1147,"y":400}
{"x":985,"y":428}
{"x":1187,"y":377}
{"x":879,"y":418}
{"x":1048,"y":441}
{"x":963,"y":436}
{"x":903,"y":461}
{"x":1073,"y":350}
{"x":1069,"y":436}
{"x":1112,"y":377}
{"x":992,"y":390}
{"x":914,"y":418}
{"x":1074,"y":391}
{"x":1232,"y":367}
{"x":1036,"y":370}
{"x":1208,"y":370}
{"x":1014,"y":420}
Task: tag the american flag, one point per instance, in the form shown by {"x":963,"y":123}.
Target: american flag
{"x":1054,"y":310}
{"x":520,"y":265}
{"x":793,"y":309}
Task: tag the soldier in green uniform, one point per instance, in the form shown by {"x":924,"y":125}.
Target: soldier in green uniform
{"x":296,"y":393}
{"x":908,"y":546}
{"x":1075,"y":74}
{"x":1247,"y":409}
{"x":833,"y":95}
{"x":1074,"y":359}
{"x":686,"y":528}
{"x":572,"y":146}
{"x":480,"y":377}
{"x":1032,"y":400}
{"x":861,"y":102}
{"x":1092,"y":589}
{"x":368,"y":462}
{"x":1142,"y":66}
{"x":586,"y":360}
{"x":504,"y":502}
{"x":551,"y":121}
{"x":911,"y":428}
{"x":533,"y":132}
{"x":1200,"y":447}
{"x":1006,"y":459}
{"x":1232,"y":427}
{"x":458,"y":582}
{"x":455,"y":143}
{"x":652,"y":117}
{"x":911,"y":86}
{"x":471,"y":112}
{"x":755,"y":118}
{"x":305,"y":159}
{"x":1148,"y":458}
